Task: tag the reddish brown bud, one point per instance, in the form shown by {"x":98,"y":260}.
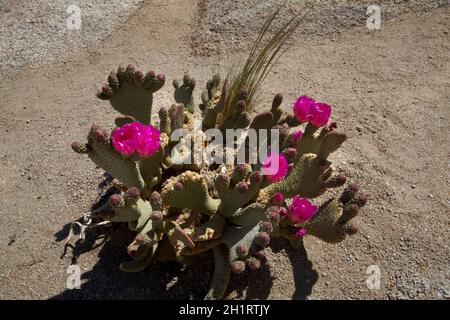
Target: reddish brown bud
{"x":253,"y":263}
{"x":156,"y":216}
{"x":242,"y":187}
{"x":262,"y":239}
{"x":178,"y":186}
{"x":133,"y":194}
{"x":116,"y":200}
{"x":238,"y":267}
{"x":241,"y":251}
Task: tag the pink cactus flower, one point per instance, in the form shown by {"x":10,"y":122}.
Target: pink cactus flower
{"x":275,"y":167}
{"x":319,"y":114}
{"x":136,"y":137}
{"x":301,"y":210}
{"x":302,"y":108}
{"x":301,"y":232}
{"x":126,"y":138}
{"x":149,"y":141}
{"x":316,"y":113}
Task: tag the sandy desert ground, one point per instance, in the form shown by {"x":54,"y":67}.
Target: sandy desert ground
{"x":390,"y":90}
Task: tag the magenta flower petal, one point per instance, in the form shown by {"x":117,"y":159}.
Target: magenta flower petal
{"x":302,"y":108}
{"x":275,"y":167}
{"x":126,"y":138}
{"x":296,"y":136}
{"x":301,"y":210}
{"x":149,"y":141}
{"x":301,"y":232}
{"x":319,"y":114}
{"x":136,"y":138}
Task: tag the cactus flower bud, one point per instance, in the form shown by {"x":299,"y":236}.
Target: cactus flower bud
{"x":260,"y":254}
{"x":242,"y":187}
{"x":223,"y":178}
{"x":301,"y":232}
{"x":361,"y":200}
{"x":266,"y":226}
{"x":296,"y":136}
{"x":98,"y":134}
{"x":349,"y":192}
{"x":116,"y":200}
{"x":178,"y":186}
{"x":238,"y":267}
{"x":262,"y":239}
{"x":156,"y":216}
{"x":241,"y":169}
{"x":161,"y":78}
{"x":290,"y":154}
{"x":133,"y":194}
{"x":155,"y":197}
{"x":278,"y":199}
{"x":241,"y":251}
{"x":256,"y":177}
{"x":273,"y":213}
{"x":253,"y":263}
{"x":351,"y":209}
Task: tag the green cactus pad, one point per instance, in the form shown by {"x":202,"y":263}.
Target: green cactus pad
{"x":189,"y":190}
{"x":131,"y":93}
{"x":307,"y":178}
{"x":102,"y":153}
{"x":150,"y":166}
{"x":214,"y":106}
{"x":237,"y":236}
{"x":138,"y":212}
{"x":183,"y":92}
{"x":249,"y":215}
{"x":232,"y":198}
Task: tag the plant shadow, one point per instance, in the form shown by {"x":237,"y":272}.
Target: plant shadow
{"x":258,"y":285}
{"x":172,"y":281}
{"x":168,"y":280}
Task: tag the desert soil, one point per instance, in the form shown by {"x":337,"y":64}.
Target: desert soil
{"x":390,"y":92}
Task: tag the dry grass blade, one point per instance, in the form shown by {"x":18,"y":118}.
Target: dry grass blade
{"x":249,"y":76}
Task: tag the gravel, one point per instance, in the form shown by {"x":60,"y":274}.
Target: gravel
{"x":225,"y":25}
{"x":37,"y":31}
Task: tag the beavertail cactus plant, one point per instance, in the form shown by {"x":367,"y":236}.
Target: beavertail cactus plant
{"x":181,"y":205}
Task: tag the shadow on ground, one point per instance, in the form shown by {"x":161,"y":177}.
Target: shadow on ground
{"x":163,"y":281}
